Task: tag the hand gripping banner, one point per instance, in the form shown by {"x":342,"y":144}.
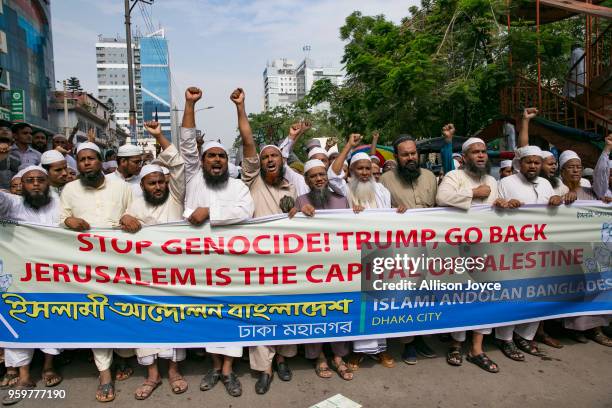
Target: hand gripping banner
{"x":336,"y":276}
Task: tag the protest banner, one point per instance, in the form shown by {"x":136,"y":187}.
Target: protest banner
{"x":336,"y":276}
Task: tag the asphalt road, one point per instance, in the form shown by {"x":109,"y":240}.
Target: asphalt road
{"x":579,"y":375}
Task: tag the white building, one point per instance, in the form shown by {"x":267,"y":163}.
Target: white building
{"x":285,"y":83}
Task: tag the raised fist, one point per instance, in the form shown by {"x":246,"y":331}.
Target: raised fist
{"x":448,"y":130}
{"x":530,"y":113}
{"x":237,"y":96}
{"x":153,"y":128}
{"x":193,"y":94}
{"x":354,"y":139}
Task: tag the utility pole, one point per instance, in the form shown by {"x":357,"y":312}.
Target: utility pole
{"x":128,"y":40}
{"x":66,"y":128}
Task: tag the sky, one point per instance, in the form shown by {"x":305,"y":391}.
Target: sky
{"x":215,"y":45}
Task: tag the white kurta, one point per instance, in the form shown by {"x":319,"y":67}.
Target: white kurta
{"x":133,"y":182}
{"x":537,"y":192}
{"x":14,"y":207}
{"x":518,"y":187}
{"x":337,"y":184}
{"x":561,"y":189}
{"x":292,"y":176}
{"x":172,"y":209}
{"x":101,"y":207}
{"x":229,"y":204}
{"x":456,"y":190}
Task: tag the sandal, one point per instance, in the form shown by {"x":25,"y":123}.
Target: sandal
{"x":343,"y":370}
{"x":17,"y":396}
{"x":509,"y":349}
{"x":232,"y":384}
{"x":549,"y":341}
{"x":210,"y":379}
{"x":529,"y":347}
{"x":599,"y":337}
{"x":51,"y":378}
{"x":9,"y":380}
{"x":322,"y":369}
{"x":105,"y":392}
{"x":454,"y":356}
{"x":124,"y":371}
{"x":178,"y":384}
{"x":355,"y":361}
{"x":577,"y":336}
{"x":483,"y":361}
{"x":146,"y":389}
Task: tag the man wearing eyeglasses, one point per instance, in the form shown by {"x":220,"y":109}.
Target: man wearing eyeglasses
{"x":129,"y":164}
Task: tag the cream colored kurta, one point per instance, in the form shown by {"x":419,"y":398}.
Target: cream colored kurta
{"x":456,"y":190}
{"x":172,"y":209}
{"x":418,"y":194}
{"x":133,"y":182}
{"x":101,"y":207}
{"x":267,"y":198}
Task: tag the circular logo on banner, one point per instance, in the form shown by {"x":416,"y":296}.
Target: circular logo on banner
{"x":16,"y":95}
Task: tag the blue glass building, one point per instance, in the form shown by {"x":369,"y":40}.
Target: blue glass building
{"x":156,"y":80}
{"x":26,"y":56}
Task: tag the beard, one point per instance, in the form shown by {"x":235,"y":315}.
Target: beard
{"x":319,"y":196}
{"x":409,"y":172}
{"x":473,"y":170}
{"x":554,"y":180}
{"x":572,"y":185}
{"x":215,"y":182}
{"x":36,"y":200}
{"x":155,"y":201}
{"x":363,"y":192}
{"x":92,"y":179}
{"x":270,"y":179}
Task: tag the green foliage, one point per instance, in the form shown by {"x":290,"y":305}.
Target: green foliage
{"x":446,"y":62}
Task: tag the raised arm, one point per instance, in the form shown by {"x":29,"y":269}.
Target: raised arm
{"x":248,"y":143}
{"x":192,"y":95}
{"x":528,"y":114}
{"x":188,"y":144}
{"x":352,"y":141}
{"x":170,"y":158}
{"x":446,"y":153}
{"x":375,"y":136}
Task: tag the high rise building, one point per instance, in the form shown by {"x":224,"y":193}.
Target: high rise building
{"x":151,"y":79}
{"x":286,"y":83}
{"x":155,"y":79}
{"x":280,"y":83}
{"x":26,"y":61}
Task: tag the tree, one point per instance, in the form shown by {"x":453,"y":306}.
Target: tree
{"x":445,"y":62}
{"x":73,"y":85}
{"x":110,"y":104}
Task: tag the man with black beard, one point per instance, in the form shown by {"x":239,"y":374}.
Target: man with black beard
{"x":410,"y":185}
{"x":99,"y":202}
{"x":161,"y":201}
{"x":212,"y":195}
{"x":35,"y":205}
{"x":463,"y":188}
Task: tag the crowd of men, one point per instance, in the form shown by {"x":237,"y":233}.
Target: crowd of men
{"x":79,"y":188}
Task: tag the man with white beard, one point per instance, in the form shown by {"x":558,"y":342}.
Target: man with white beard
{"x":213,"y":195}
{"x":525,"y":187}
{"x":362,"y":191}
{"x":35,"y":205}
